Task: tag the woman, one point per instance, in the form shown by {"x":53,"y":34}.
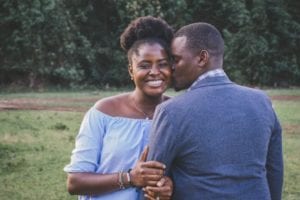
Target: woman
{"x":107,"y":162}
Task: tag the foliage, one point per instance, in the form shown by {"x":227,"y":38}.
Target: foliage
{"x":41,"y":40}
{"x":264,"y":51}
{"x":76,"y":43}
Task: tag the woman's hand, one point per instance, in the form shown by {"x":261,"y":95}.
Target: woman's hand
{"x":146,"y":172}
{"x":162,"y":191}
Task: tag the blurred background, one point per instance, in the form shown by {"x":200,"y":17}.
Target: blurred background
{"x":75,"y":44}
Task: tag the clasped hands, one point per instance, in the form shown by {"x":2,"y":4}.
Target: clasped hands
{"x":150,"y":176}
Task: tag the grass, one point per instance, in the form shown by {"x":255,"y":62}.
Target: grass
{"x":283,"y":91}
{"x":289,"y":115}
{"x":36,"y":145}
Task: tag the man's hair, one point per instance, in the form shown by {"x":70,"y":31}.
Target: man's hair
{"x":149,"y":30}
{"x":202,"y":36}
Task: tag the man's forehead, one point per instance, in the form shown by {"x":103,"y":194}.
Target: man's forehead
{"x":179,"y":40}
{"x":178,"y":43}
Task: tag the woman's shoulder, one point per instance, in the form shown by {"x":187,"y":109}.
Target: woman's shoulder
{"x":108,"y":105}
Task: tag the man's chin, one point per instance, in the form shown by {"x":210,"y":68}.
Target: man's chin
{"x":178,"y":88}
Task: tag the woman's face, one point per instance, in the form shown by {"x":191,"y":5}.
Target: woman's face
{"x":150,"y":69}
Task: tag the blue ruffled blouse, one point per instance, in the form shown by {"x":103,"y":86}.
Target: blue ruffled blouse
{"x":108,"y":144}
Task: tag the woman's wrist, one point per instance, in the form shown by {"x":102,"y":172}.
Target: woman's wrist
{"x":129,"y":178}
{"x":132,"y":175}
{"x":124,"y":180}
{"x":121,"y":180}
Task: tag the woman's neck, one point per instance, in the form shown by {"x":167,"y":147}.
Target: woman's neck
{"x":144,"y":104}
{"x":146,"y":100}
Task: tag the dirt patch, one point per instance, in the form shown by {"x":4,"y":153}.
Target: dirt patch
{"x":291,"y":128}
{"x":75,"y":104}
{"x":55,"y":104}
{"x":286,"y":98}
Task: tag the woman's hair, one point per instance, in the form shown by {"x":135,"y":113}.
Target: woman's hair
{"x":146,"y":30}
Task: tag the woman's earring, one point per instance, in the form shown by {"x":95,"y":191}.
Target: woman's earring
{"x":131,"y":77}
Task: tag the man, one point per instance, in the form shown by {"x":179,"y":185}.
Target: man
{"x":218,"y":140}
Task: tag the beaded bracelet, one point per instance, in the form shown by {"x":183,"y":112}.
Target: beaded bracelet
{"x":129,"y":177}
{"x":121,"y":183}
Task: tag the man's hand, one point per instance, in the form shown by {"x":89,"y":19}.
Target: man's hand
{"x":162,"y":191}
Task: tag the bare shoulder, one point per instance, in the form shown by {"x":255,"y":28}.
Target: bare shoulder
{"x":108,"y":105}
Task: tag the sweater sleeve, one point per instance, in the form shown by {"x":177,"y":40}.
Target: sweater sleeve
{"x":274,"y":163}
{"x":163,"y":138}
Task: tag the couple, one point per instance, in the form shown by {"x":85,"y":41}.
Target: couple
{"x":218,"y":140}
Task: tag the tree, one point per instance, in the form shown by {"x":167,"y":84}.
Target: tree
{"x":77,"y":42}
{"x":42,"y":41}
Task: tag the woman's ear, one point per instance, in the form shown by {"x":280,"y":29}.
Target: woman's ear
{"x":130,"y":71}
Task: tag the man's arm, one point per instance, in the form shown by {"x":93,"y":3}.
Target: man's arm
{"x":163,"y":149}
{"x":274,"y":164}
{"x":163,"y":139}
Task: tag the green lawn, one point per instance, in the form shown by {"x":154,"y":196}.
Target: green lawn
{"x":289,"y":115}
{"x":35,"y":145}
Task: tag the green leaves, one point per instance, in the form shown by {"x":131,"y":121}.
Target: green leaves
{"x":43,"y":36}
{"x":73,"y":42}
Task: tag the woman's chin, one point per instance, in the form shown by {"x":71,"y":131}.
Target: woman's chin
{"x":156,"y":92}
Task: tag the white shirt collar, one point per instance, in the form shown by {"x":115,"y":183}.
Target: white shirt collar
{"x":211,"y":73}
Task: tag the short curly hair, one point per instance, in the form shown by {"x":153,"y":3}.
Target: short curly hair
{"x":146,"y":29}
{"x":202,"y":36}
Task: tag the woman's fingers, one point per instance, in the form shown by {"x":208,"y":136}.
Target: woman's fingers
{"x":151,"y":183}
{"x":144,"y":155}
{"x":147,"y":172}
{"x":150,"y":171}
{"x":143,"y":175}
{"x":153,"y":164}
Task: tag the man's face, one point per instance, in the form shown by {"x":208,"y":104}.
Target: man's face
{"x":185,"y":64}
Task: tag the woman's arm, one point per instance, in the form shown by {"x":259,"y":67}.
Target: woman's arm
{"x":91,"y":183}
{"x":144,"y":173}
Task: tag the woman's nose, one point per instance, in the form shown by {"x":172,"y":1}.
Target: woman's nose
{"x":154,"y":70}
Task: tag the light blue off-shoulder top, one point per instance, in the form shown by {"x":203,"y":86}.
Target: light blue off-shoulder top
{"x":108,"y":144}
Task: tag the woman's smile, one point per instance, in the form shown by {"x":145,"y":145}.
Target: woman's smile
{"x":155,"y":83}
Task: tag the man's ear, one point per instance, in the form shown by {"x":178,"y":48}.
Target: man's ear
{"x":130,"y":71}
{"x":203,"y":58}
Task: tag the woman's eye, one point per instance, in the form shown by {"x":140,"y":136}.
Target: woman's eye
{"x":144,"y":66}
{"x":163,"y":65}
